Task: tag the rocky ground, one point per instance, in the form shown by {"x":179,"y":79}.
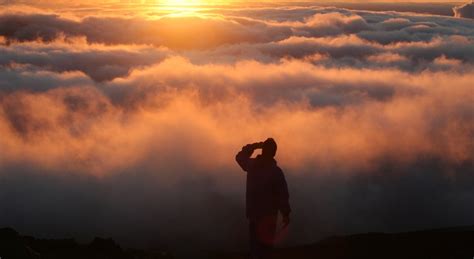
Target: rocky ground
{"x":15,"y":246}
{"x":451,"y":243}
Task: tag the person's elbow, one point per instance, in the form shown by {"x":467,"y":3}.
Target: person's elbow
{"x":239,"y":158}
{"x":242,"y":162}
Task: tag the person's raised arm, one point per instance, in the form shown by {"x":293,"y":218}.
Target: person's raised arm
{"x":243,"y":157}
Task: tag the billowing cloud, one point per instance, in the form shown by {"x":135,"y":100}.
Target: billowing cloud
{"x":127,"y":126}
{"x":97,"y":61}
{"x":464,"y":11}
{"x":212,"y":30}
{"x":166,"y":31}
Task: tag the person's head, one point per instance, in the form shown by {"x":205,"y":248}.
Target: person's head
{"x":269,"y":148}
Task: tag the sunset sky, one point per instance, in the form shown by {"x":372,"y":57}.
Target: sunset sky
{"x":123,"y":120}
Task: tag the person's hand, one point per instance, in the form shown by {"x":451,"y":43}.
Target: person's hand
{"x":286,"y":220}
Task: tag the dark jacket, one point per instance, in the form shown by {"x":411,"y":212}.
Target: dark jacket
{"x":267,"y":191}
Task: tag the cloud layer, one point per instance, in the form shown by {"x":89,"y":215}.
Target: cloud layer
{"x":127,"y":125}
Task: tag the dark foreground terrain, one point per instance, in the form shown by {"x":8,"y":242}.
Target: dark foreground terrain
{"x":15,"y":246}
{"x":452,"y":243}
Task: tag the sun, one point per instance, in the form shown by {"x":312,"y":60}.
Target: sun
{"x":183,"y":2}
{"x":187,"y":7}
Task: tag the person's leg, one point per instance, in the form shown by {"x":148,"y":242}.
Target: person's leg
{"x":253,"y":239}
{"x":266,"y":231}
{"x":272,"y":225}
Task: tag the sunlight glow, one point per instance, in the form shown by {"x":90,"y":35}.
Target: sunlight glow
{"x":187,"y":2}
{"x":182,"y":2}
{"x":184,"y":7}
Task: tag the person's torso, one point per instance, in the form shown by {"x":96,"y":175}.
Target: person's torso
{"x":262,"y":187}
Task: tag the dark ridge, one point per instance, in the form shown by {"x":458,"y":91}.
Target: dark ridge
{"x":15,"y":246}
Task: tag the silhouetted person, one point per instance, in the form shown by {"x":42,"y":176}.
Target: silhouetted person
{"x":267,"y":193}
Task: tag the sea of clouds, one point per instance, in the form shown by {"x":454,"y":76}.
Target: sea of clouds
{"x":126,"y":125}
